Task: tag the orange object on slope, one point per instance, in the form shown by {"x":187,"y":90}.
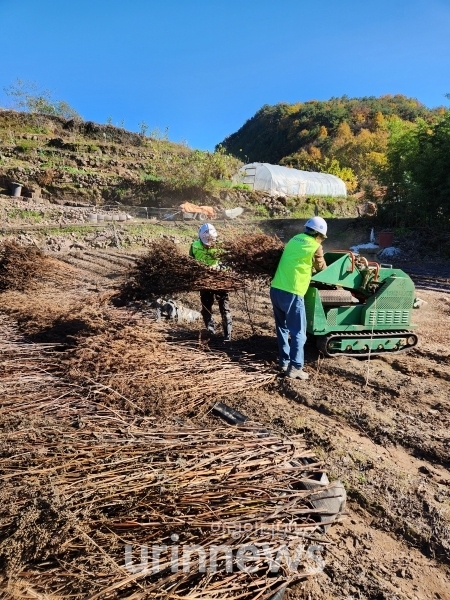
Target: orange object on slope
{"x":193,"y":208}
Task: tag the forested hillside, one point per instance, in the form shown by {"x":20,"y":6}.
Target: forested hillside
{"x":392,"y":148}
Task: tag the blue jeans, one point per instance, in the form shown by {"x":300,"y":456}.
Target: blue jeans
{"x":290,"y":318}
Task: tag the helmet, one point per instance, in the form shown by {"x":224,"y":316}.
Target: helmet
{"x":317,"y":224}
{"x":207,"y":234}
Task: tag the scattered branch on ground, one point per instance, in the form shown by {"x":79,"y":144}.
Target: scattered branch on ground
{"x":198,"y":487}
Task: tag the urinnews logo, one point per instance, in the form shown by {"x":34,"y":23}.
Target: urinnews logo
{"x":290,"y":551}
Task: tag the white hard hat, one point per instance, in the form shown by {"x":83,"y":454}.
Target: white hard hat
{"x":317,"y":224}
{"x":207,"y":233}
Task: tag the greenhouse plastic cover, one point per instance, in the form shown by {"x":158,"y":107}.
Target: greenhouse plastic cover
{"x":290,"y":182}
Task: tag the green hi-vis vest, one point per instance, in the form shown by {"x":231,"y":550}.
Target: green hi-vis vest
{"x":208,"y":256}
{"x":295,"y":267}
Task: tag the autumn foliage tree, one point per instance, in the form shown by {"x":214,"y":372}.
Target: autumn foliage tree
{"x":344,"y":136}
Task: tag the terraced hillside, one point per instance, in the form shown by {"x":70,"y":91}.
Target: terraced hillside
{"x":73,"y":161}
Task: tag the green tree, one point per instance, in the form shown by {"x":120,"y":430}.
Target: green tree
{"x":275,"y":132}
{"x":417,"y":174}
{"x":28,"y":97}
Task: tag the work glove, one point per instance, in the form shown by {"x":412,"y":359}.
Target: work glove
{"x":219,"y":267}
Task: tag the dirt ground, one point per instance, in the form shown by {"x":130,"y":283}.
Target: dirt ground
{"x":381,"y":426}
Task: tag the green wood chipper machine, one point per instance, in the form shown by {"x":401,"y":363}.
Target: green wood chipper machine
{"x":359,"y":308}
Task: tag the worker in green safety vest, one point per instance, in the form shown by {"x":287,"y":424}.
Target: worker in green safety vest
{"x":303,"y":252}
{"x":203,"y":249}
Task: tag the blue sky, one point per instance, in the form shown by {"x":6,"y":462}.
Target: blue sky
{"x":203,"y":67}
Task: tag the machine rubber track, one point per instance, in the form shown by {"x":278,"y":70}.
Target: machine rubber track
{"x":323,"y":343}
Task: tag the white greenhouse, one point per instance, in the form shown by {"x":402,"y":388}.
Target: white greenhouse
{"x":284,"y":181}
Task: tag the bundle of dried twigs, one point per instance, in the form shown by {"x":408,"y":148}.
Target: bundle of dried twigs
{"x":164,"y":270}
{"x":254,"y":255}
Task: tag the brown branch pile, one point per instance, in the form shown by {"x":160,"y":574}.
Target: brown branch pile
{"x":33,"y":386}
{"x":134,"y":368}
{"x":80,"y":480}
{"x":21,"y":266}
{"x":253,"y":255}
{"x":76,"y":499}
{"x":46,"y":318}
{"x":164,"y":270}
{"x":127,"y":365}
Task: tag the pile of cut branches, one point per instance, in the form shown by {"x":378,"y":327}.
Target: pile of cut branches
{"x":164,"y":270}
{"x":119,"y":368}
{"x":29,"y":379}
{"x":253,"y":255}
{"x":90,"y":490}
{"x":218,"y":512}
{"x":135,"y":369}
{"x":46,"y":318}
{"x":20,"y":266}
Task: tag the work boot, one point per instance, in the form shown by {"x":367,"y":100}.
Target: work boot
{"x":283,"y":368}
{"x":295,"y":373}
{"x":211,"y":327}
{"x":227,"y":332}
